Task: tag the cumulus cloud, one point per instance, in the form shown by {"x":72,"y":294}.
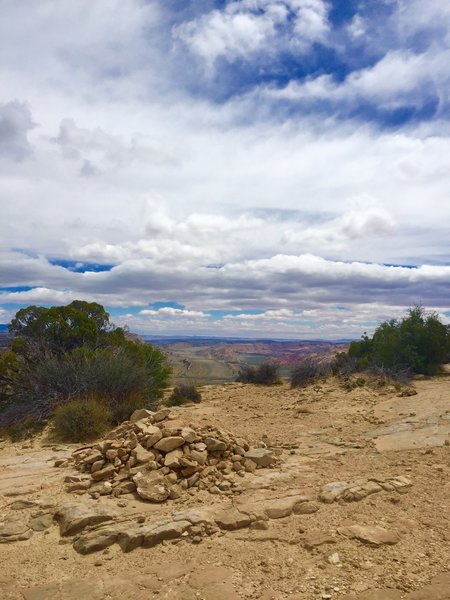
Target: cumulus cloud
{"x":365,"y":220}
{"x":245,"y":27}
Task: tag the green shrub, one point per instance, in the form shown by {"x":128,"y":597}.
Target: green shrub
{"x":309,"y":370}
{"x":419,"y":343}
{"x":184,"y":393}
{"x":69,"y":352}
{"x":264,"y":374}
{"x":81,"y":420}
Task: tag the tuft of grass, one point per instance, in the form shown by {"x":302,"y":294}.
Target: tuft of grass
{"x":184,"y":393}
{"x":264,"y":374}
{"x":82,"y":420}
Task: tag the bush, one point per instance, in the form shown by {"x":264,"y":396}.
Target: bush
{"x":74,"y":352}
{"x":263,"y":374}
{"x":309,"y":370}
{"x":418,"y":343}
{"x":182,"y":394}
{"x":81,"y":420}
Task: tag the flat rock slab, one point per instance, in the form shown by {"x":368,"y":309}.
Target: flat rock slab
{"x":14,"y":530}
{"x":73,"y":518}
{"x":370,"y":534}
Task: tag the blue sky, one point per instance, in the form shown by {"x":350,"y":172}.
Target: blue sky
{"x":252,"y":167}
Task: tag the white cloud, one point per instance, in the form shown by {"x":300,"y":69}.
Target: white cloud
{"x":364,"y":220}
{"x":168,"y":311}
{"x":245,"y":27}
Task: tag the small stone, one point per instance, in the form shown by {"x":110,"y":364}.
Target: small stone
{"x":169,"y":443}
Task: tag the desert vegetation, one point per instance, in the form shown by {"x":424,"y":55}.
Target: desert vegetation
{"x":183,"y":394}
{"x":264,"y":374}
{"x":73,"y":353}
{"x":418,"y":343}
{"x":309,"y":370}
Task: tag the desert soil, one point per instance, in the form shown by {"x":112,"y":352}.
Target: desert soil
{"x":322,"y":434}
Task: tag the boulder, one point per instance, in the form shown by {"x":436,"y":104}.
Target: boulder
{"x":151,"y":486}
{"x":168,"y":531}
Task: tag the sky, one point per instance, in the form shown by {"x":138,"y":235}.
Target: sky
{"x":252,"y":168}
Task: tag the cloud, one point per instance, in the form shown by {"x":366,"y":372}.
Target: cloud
{"x":314,"y":153}
{"x":15,"y":123}
{"x":245,"y":27}
{"x":168,"y":311}
{"x":365,"y":220}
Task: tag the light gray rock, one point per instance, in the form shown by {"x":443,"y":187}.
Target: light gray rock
{"x":283,"y":507}
{"x":168,"y":531}
{"x":96,"y":540}
{"x":153,"y":435}
{"x":73,"y":518}
{"x":161,"y":415}
{"x":231,"y":518}
{"x":142,"y":455}
{"x":141,"y":413}
{"x":215,"y":445}
{"x":14,"y":530}
{"x":189,"y":434}
{"x":41,"y":523}
{"x":151,"y":486}
{"x":371,"y":534}
{"x":105,"y":473}
{"x":168,"y":444}
{"x":261,"y":456}
{"x":172,"y":459}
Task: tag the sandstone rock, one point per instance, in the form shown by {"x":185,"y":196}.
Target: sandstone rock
{"x":189,"y":434}
{"x":331,"y":491}
{"x":151,"y":486}
{"x":261,"y":456}
{"x":370,"y":534}
{"x":103,"y":473}
{"x":73,"y":518}
{"x":96,"y":540}
{"x":41,"y":523}
{"x":168,"y":531}
{"x":231,"y":518}
{"x":142,"y":455}
{"x":169,"y":443}
{"x":305,"y":508}
{"x":161,"y":415}
{"x":199,"y":457}
{"x":318,"y":538}
{"x":215,"y":445}
{"x":172,"y":459}
{"x":131,"y":537}
{"x":283,"y":507}
{"x":141,"y":413}
{"x":14,"y":530}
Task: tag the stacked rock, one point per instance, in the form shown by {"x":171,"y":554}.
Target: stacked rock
{"x":152,"y":456}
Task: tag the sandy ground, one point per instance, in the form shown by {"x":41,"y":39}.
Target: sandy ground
{"x":324,"y":434}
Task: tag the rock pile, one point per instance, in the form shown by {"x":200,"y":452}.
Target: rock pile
{"x":159,"y":460}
